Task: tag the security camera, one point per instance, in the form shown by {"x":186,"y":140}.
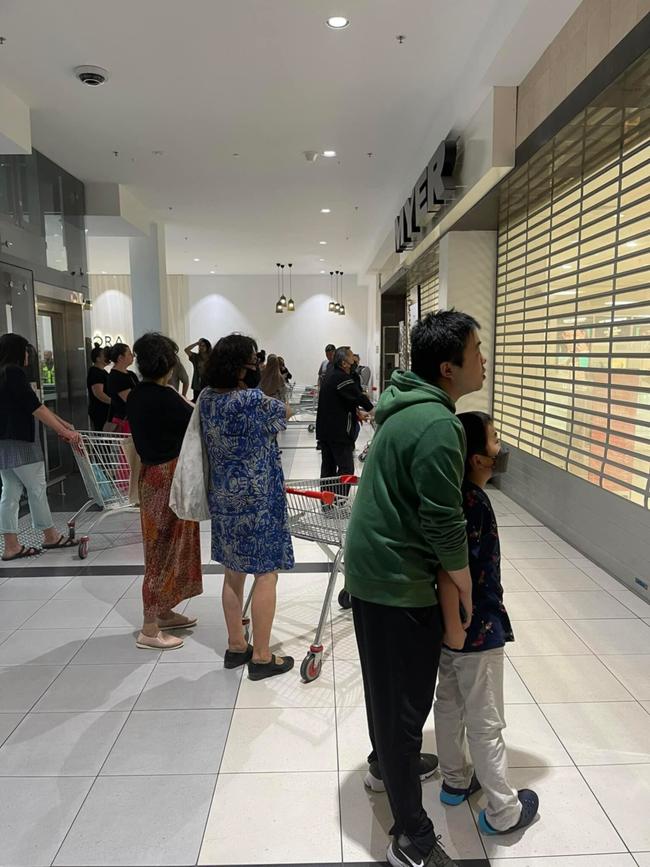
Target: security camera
{"x":93,"y":76}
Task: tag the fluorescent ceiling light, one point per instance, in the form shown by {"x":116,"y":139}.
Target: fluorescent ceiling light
{"x":322,"y":242}
{"x":321,"y":260}
{"x":326,"y":210}
{"x":338,"y":22}
{"x":212,"y":272}
{"x":197,"y":260}
{"x":322,"y":272}
{"x":329,"y":154}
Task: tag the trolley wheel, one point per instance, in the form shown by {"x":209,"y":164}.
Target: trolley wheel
{"x":344,"y":600}
{"x":311,"y":428}
{"x":311,"y":666}
{"x":83,"y":548}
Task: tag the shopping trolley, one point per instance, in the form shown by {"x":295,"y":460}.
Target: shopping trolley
{"x":364,"y":453}
{"x":319,"y":510}
{"x":103,"y":462}
{"x":303,"y":401}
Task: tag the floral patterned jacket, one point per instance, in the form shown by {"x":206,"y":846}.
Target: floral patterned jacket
{"x":490,"y":626}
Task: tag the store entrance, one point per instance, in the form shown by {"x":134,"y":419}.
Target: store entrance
{"x":62,"y":368}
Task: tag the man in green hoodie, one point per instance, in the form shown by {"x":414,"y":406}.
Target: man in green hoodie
{"x":407,"y":522}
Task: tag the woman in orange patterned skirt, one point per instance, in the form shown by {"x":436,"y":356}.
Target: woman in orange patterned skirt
{"x":172,"y":548}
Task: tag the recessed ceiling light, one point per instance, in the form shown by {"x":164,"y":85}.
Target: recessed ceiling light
{"x":212,"y":272}
{"x":322,"y":272}
{"x":329,"y":154}
{"x":322,"y":242}
{"x":197,"y":260}
{"x":338,"y":22}
{"x":322,"y":210}
{"x":321,"y":260}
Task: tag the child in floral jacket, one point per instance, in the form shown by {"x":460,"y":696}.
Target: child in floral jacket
{"x":468,"y":710}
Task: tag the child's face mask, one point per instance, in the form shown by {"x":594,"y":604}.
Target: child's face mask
{"x":500,"y":462}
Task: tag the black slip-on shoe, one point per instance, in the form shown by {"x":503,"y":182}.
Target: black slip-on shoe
{"x":260,"y":670}
{"x":235,"y":658}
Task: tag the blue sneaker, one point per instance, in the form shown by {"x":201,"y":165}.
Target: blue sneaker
{"x":453,"y":797}
{"x":529,"y":807}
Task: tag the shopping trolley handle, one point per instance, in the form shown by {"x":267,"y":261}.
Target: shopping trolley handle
{"x":349,"y":480}
{"x":326,"y":497}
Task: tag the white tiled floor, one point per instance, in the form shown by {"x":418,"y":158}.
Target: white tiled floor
{"x":111,"y":755}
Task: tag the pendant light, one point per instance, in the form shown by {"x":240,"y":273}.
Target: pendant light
{"x":342,"y":309}
{"x":283,"y":297}
{"x":290,"y":303}
{"x":331,"y":304}
{"x":278,"y":307}
{"x":337,"y":306}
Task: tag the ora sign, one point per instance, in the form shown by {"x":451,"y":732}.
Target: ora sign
{"x":434,"y":188}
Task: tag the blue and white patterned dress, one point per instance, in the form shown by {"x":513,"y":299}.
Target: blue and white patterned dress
{"x":250,"y":527}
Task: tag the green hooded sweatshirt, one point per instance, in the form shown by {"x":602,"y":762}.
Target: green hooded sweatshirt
{"x":407,"y":518}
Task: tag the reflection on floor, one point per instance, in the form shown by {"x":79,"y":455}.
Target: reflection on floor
{"x":112,"y":755}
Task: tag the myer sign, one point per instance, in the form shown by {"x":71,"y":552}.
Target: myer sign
{"x":434,"y":188}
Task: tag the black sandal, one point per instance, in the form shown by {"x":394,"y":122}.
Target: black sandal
{"x":63,"y":542}
{"x":24,"y":552}
{"x":260,"y":670}
{"x":235,"y":658}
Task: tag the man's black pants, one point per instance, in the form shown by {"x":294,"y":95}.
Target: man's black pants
{"x":399,"y":650}
{"x":337,"y":459}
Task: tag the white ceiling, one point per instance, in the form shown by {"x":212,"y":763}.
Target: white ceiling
{"x":203,"y":79}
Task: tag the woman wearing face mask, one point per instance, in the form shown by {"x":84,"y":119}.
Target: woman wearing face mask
{"x":121,"y":382}
{"x":250,"y":529}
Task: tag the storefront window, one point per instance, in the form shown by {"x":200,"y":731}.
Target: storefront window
{"x":572,"y":372}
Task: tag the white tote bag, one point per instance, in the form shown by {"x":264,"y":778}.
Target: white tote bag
{"x":188,"y":498}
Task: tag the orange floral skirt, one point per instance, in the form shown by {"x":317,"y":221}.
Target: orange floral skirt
{"x":172,"y":548}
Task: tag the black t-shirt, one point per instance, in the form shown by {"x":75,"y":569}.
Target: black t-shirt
{"x":159,"y":417}
{"x":119,"y":381}
{"x":97,"y":410}
{"x":18,"y":402}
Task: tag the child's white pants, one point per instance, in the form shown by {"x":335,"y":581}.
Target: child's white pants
{"x":469,"y":719}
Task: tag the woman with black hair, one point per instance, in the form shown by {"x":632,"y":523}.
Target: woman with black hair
{"x":97,"y":384}
{"x":250,"y":527}
{"x":159,"y":416}
{"x":198,"y":361}
{"x":121,"y":381}
{"x":21,"y":457}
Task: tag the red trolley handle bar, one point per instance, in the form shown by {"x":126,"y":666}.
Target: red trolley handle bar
{"x":326,"y":497}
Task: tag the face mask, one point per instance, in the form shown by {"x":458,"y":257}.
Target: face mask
{"x":500,"y":462}
{"x":252,"y":377}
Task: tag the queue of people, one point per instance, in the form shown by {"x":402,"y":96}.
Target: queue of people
{"x":422,"y":548}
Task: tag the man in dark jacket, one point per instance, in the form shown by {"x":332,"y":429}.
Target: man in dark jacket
{"x":339,"y":400}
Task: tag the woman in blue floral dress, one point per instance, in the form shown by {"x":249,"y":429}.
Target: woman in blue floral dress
{"x":250,"y":527}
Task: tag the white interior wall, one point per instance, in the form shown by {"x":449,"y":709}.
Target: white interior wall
{"x":112,"y":307}
{"x":221,"y":304}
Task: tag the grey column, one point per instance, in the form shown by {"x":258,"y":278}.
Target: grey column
{"x":148,"y":280}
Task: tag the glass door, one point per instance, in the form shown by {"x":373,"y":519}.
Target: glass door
{"x":51,"y":367}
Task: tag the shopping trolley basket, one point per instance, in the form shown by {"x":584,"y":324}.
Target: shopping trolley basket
{"x":104,"y":466}
{"x":303,"y":401}
{"x":319,"y":510}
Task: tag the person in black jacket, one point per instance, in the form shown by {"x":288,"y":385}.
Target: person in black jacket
{"x":339,"y":401}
